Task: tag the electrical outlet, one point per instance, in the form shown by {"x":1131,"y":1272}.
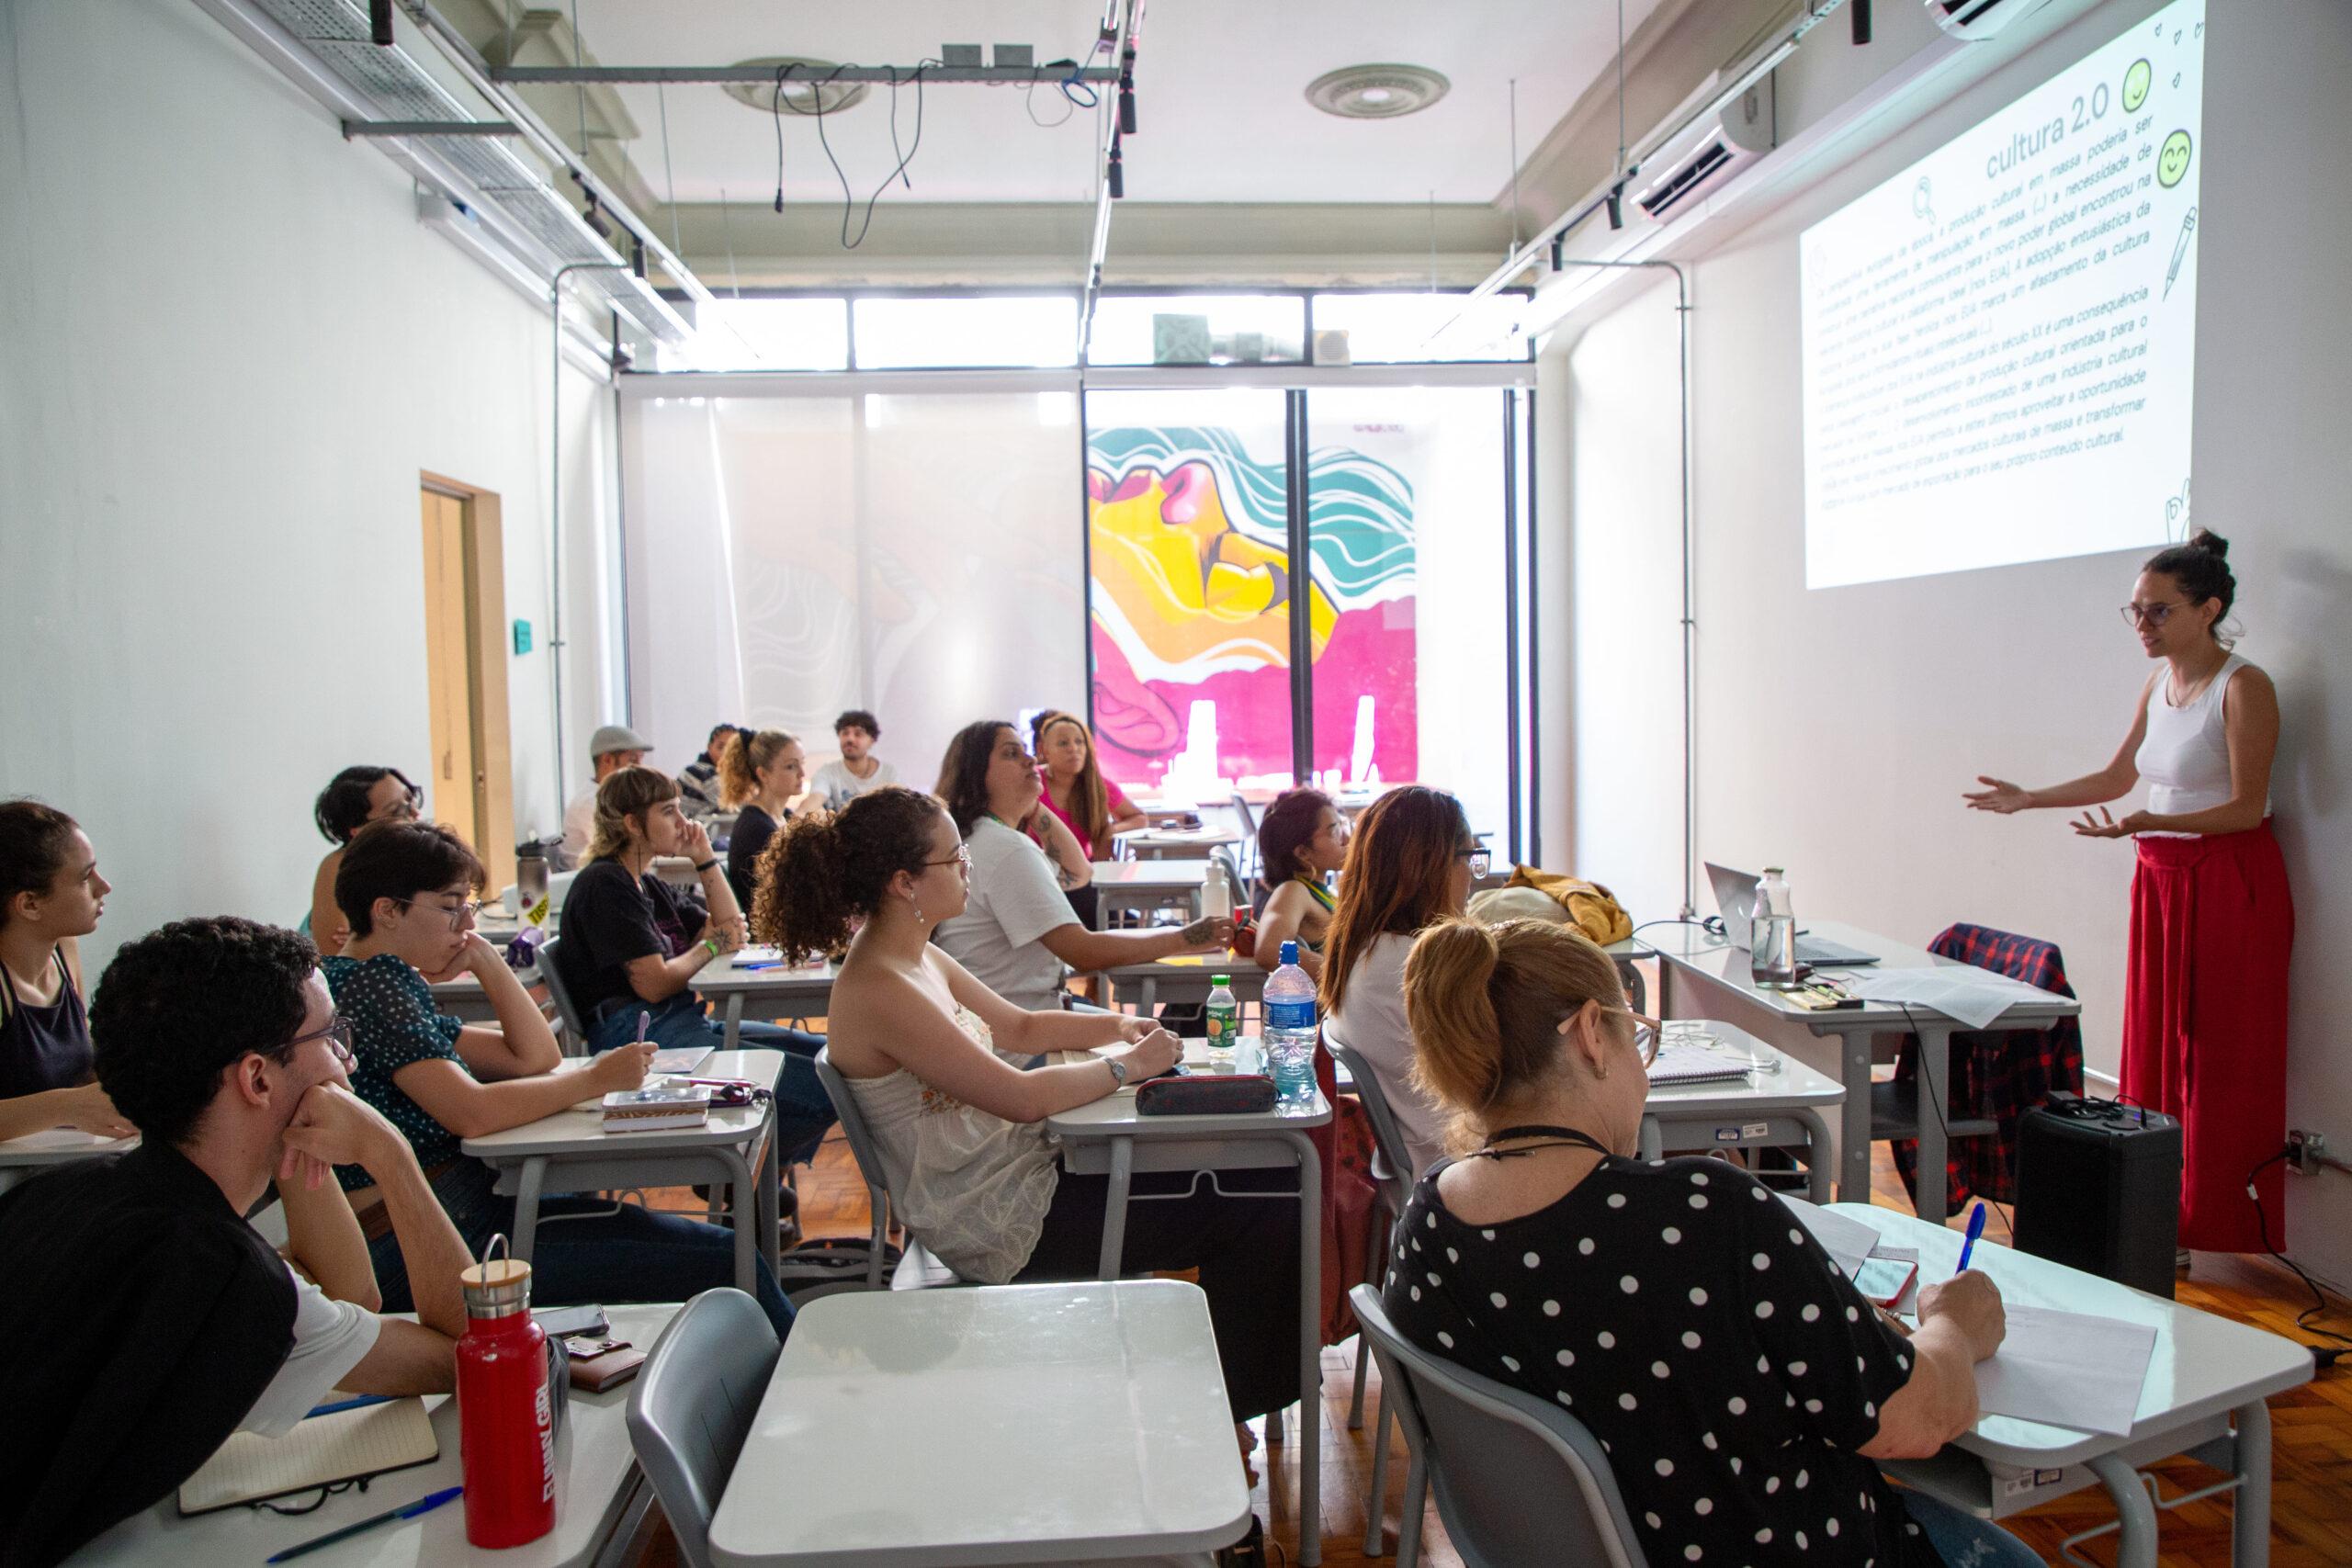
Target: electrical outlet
{"x":2306,"y":1152}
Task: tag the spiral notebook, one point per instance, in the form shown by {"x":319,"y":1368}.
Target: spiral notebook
{"x":318,"y":1453}
{"x":1695,"y":1064}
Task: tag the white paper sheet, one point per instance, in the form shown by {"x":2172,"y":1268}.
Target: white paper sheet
{"x":2068,"y":1369}
{"x":1846,"y":1241}
{"x":1973,"y":998}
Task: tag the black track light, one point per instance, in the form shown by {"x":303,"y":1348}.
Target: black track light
{"x":379,"y":22}
{"x":1128,"y":92}
{"x":637,"y":256}
{"x":1616,"y":199}
{"x":1860,"y":12}
{"x":1118,"y":175}
{"x":1559,"y":247}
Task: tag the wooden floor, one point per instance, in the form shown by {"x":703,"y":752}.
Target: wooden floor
{"x":2312,"y":1426}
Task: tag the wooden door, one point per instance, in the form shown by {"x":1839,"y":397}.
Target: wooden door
{"x":449,"y":665}
{"x":465,"y":654}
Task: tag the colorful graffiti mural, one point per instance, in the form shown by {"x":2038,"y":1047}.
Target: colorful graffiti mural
{"x":1191,"y":602}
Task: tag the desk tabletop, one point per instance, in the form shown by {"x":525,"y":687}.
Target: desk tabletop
{"x":593,"y":1463}
{"x":1203,"y":838}
{"x":1114,"y":1116}
{"x":61,"y":1146}
{"x":1692,"y":948}
{"x":1174,"y":873}
{"x":1197,"y":968}
{"x":576,"y":1132}
{"x":1781,"y":1083}
{"x":1010,"y":1424}
{"x":2203,"y":1365}
{"x":723,"y":979}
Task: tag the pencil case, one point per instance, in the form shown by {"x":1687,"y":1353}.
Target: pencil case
{"x":1206,"y":1094}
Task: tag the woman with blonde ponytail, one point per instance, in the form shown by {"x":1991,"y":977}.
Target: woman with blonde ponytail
{"x":1740,"y":1386}
{"x":759,"y":774}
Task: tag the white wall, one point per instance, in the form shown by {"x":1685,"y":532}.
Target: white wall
{"x":1837,"y":729}
{"x":231,"y":350}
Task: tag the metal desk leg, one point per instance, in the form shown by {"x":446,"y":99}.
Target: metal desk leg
{"x":1935,"y":1085}
{"x":1854,"y":1147}
{"x":1114,"y":1208}
{"x":1817,"y":1154}
{"x":768,"y":1188}
{"x":1310,"y":1352}
{"x":732,"y":1039}
{"x":2250,"y":1530}
{"x":2136,"y":1547}
{"x":1146,"y":1000}
{"x":728,"y":1165}
{"x":528,"y":1189}
{"x":1653,"y":1139}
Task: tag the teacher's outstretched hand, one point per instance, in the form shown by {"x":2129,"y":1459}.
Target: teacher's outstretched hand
{"x":2000,"y":795}
{"x":2103,"y":823}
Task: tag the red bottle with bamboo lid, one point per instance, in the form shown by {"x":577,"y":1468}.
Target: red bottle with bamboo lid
{"x":505,"y":1414}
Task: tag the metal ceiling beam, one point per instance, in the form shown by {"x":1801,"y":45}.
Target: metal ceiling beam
{"x":352,"y":127}
{"x":888,"y":75}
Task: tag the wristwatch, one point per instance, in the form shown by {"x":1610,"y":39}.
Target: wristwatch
{"x":1118,"y":1073}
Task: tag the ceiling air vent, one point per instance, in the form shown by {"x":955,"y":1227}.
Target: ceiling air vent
{"x":1976,"y":20}
{"x":805,"y":90}
{"x":1376,"y":91}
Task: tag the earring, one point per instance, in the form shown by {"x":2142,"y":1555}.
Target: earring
{"x":917,"y":908}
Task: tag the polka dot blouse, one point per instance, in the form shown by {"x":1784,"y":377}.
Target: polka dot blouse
{"x":1687,"y":1318}
{"x":392,"y":1025}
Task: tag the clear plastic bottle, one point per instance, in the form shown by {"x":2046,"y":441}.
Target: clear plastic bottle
{"x":1772,"y":933}
{"x":1216,"y":892}
{"x":1224,"y":1019}
{"x":1289,"y":1002}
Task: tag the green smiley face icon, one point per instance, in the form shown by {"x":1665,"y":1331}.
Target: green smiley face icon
{"x":2171,"y":159}
{"x":2135,"y":85}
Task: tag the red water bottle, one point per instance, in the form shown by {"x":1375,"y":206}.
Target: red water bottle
{"x":505,"y":1418}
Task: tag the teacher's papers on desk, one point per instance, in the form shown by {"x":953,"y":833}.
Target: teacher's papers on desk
{"x":318,"y":1453}
{"x":1968,"y":996}
{"x":2067,"y":1370}
{"x":1846,"y":1241}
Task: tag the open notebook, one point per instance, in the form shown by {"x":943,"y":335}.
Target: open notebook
{"x":317,"y":1452}
{"x":1679,"y":1063}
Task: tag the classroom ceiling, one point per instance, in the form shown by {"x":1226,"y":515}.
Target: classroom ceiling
{"x":1221,"y":105}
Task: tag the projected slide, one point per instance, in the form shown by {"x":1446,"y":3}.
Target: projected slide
{"x":1997,"y":342}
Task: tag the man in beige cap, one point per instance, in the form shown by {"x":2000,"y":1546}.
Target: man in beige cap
{"x":613,"y":746}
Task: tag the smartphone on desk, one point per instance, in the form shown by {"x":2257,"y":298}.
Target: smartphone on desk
{"x":558,"y":1322}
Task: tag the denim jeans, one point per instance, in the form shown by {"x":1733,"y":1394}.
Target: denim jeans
{"x":630,"y":1256}
{"x":803,"y":1111}
{"x":1963,"y":1540}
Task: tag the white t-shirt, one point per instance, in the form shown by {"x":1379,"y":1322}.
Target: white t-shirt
{"x":840,"y":786}
{"x":1016,"y":899}
{"x":579,"y":826}
{"x":1371,"y":1022}
{"x":330,"y":1338}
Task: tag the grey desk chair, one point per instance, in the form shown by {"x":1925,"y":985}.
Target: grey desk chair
{"x":693,"y":1405}
{"x":567,"y":1011}
{"x":917,"y":1270}
{"x":1518,"y":1479}
{"x":1391,"y":1170}
{"x":1246,"y":852}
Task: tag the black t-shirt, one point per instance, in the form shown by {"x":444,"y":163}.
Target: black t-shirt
{"x":753,"y":828}
{"x":609,"y":918}
{"x":1686,"y":1317}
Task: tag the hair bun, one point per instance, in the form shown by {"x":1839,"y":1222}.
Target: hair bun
{"x":2210,"y":542}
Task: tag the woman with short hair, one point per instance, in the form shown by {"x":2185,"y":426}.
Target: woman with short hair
{"x":50,"y":897}
{"x":1302,"y":839}
{"x":353,"y":798}
{"x":1740,"y":1385}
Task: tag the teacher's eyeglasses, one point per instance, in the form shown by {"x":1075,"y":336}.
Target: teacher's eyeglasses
{"x":2137,"y":616}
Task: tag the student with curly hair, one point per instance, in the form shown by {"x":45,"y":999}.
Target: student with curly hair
{"x":857,"y":769}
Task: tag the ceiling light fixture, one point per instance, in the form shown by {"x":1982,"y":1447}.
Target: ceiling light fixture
{"x":805,"y":92}
{"x":1376,"y":91}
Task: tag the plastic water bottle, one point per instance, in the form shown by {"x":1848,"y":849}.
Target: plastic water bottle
{"x":1772,"y":933}
{"x":1223,"y":1017}
{"x":1216,"y":893}
{"x":1290,"y":1028}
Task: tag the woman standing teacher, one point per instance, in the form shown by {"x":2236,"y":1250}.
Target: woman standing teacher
{"x":2213,"y":922}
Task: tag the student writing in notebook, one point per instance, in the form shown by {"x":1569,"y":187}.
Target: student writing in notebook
{"x":150,"y":1320}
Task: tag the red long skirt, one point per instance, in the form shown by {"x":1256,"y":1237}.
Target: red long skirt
{"x":2205,"y":1022}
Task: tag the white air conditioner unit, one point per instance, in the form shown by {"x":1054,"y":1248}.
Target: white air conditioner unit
{"x":1976,"y":20}
{"x":1743,"y":134}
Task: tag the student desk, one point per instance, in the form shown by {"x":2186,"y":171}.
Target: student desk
{"x":573,"y":1147}
{"x":1141,"y":887}
{"x":1005,"y":1424}
{"x":36,"y":1152}
{"x":1187,"y":978}
{"x":2203,"y":1396}
{"x":1767,"y":1108}
{"x":1107,"y":1137}
{"x":1174,"y":843}
{"x":798,"y":992}
{"x":599,"y":1501}
{"x":1704,"y":977}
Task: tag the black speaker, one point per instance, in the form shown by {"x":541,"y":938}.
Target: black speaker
{"x":2099,"y":1188}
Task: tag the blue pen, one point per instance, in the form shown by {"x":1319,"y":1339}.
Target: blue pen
{"x":358,"y":1403}
{"x":425,"y":1504}
{"x":1975,"y":1229}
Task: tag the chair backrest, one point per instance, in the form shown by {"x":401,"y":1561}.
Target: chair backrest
{"x":693,"y":1402}
{"x":1517,"y":1479}
{"x":1392,"y":1167}
{"x":868,"y":1155}
{"x":567,"y":1011}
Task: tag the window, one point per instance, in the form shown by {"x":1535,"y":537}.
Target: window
{"x":1388,"y":328}
{"x":1030,"y":330}
{"x":767,"y":335}
{"x":1198,"y":329}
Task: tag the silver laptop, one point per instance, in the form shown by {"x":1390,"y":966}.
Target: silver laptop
{"x":1735,"y":896}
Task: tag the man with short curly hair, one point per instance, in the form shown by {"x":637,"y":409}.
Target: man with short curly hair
{"x":151,"y":1320}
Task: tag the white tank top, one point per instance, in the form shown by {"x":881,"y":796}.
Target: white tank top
{"x":2186,"y":754}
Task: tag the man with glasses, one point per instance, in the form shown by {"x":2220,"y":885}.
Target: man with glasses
{"x":150,"y":1319}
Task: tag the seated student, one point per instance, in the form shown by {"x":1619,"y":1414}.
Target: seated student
{"x":408,"y":890}
{"x":150,"y":1320}
{"x":1301,"y":840}
{"x":971,"y":1169}
{"x":632,"y":945}
{"x":1092,"y":808}
{"x":1017,"y":931}
{"x":49,"y":878}
{"x":352,"y":799}
{"x":857,"y":770}
{"x":1409,"y":865}
{"x":699,"y":795}
{"x":1739,"y":1384}
{"x":758,"y":778}
{"x":611,"y":748}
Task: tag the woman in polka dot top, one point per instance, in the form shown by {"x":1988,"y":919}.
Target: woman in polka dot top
{"x":1740,"y":1387}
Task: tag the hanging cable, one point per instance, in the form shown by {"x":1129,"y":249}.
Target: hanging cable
{"x":777,"y":110}
{"x":662,"y":96}
{"x":849,"y":197}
